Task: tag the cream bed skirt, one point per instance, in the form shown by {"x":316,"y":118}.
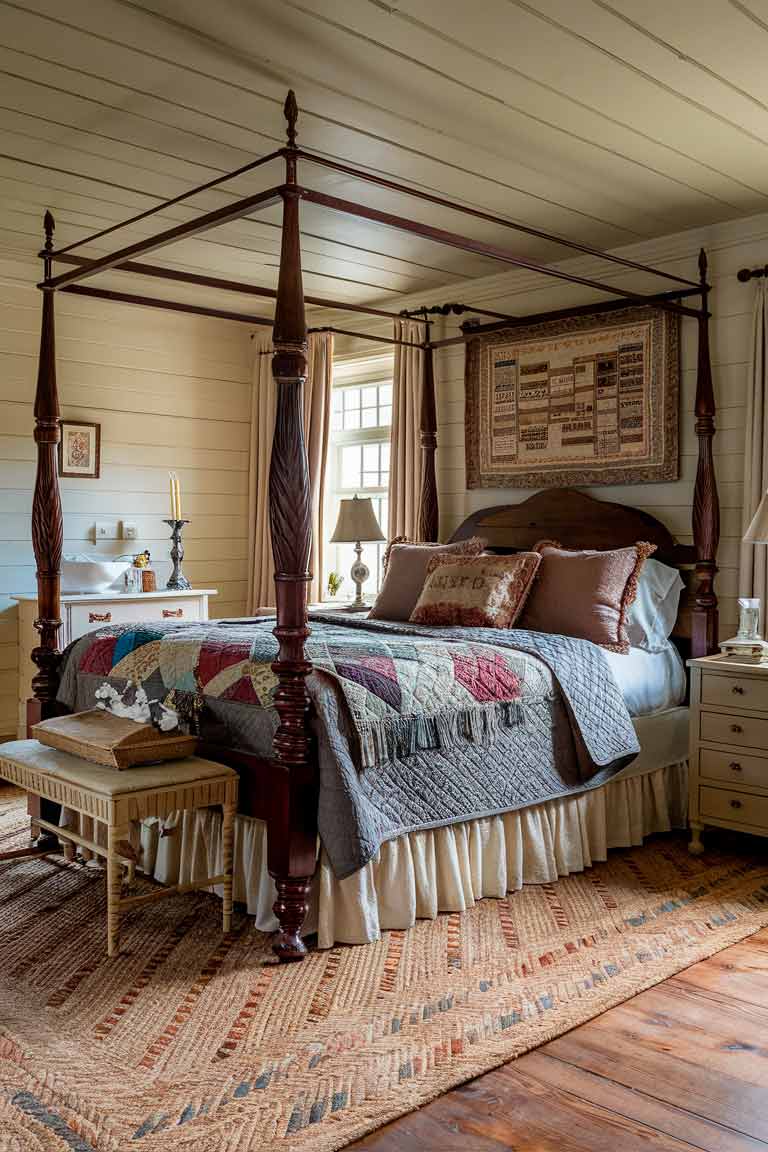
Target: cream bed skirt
{"x":444,"y":869}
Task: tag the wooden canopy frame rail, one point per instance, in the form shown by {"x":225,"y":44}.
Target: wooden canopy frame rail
{"x":284,"y":790}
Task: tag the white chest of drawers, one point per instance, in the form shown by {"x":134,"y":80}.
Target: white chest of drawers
{"x":729,"y":747}
{"x":85,"y":612}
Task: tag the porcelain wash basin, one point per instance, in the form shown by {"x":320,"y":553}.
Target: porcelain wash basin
{"x":90,"y":573}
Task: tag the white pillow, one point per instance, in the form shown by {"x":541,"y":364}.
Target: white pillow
{"x":652,"y":617}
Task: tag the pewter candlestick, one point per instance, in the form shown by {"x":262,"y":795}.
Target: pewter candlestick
{"x":177,"y":580}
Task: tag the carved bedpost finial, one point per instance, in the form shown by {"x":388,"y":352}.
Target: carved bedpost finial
{"x":291,"y":113}
{"x":702,"y":268}
{"x":49,"y":224}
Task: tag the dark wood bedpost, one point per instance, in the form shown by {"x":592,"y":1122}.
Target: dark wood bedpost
{"x":47,"y":521}
{"x":706,"y":506}
{"x":47,"y":538}
{"x":292,"y":829}
{"x":429,"y":526}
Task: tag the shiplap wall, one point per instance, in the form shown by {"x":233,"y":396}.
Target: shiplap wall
{"x":730,"y":247}
{"x":170,"y":391}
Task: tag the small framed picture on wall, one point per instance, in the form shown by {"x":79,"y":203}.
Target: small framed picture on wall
{"x":80,"y":449}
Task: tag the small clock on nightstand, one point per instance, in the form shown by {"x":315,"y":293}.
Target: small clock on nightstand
{"x":729,"y":747}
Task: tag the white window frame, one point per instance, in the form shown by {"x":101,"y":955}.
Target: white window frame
{"x":357,"y":373}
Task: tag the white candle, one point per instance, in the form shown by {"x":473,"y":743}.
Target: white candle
{"x":178,"y":496}
{"x":173,"y":496}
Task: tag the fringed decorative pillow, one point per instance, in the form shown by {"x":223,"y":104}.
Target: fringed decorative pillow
{"x":477,"y":591}
{"x":405,"y":570}
{"x":585,"y":594}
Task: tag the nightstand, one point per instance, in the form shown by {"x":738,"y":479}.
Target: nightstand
{"x":729,"y":747}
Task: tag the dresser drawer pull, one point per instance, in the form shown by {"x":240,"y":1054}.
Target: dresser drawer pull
{"x":735,"y":803}
{"x":99,"y":617}
{"x":168,"y":612}
{"x":736,"y":728}
{"x":737,"y":690}
{"x":735,"y":766}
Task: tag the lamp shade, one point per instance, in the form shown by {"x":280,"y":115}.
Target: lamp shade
{"x":357,"y":521}
{"x":757,"y":533}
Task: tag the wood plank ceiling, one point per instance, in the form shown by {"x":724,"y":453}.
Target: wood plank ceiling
{"x":607,"y":121}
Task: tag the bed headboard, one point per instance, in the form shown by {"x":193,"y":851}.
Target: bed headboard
{"x":577,"y":520}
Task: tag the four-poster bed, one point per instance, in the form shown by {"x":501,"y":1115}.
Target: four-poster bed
{"x":283,"y":789}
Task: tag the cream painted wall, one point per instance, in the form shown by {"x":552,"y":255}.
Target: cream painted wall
{"x":729,"y":247}
{"x":170,"y":391}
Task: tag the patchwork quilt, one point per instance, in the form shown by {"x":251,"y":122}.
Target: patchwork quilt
{"x":402,"y":692}
{"x":416,"y":725}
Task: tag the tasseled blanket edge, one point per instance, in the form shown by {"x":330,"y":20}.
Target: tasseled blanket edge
{"x":396,"y":737}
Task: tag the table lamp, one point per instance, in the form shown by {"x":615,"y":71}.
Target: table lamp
{"x":747,"y":645}
{"x":357,"y":521}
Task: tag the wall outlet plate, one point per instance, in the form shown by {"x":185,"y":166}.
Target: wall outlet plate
{"x":105,"y":530}
{"x":130,"y":530}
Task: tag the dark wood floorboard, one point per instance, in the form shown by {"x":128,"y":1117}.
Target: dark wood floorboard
{"x":679,"y":1068}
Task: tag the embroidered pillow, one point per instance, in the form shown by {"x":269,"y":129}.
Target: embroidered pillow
{"x":585,"y":594}
{"x":476,"y":591}
{"x":405,"y":570}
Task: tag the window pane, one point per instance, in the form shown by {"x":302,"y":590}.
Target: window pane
{"x":370,"y":457}
{"x":359,"y":462}
{"x":350,"y":466}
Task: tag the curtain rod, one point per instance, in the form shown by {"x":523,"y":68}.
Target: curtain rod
{"x":455,"y":310}
{"x":747,"y":274}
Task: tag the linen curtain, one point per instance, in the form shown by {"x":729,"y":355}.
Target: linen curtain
{"x":753,"y":571}
{"x":405,"y":451}
{"x":317,"y":414}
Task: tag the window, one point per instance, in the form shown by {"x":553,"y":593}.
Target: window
{"x":361,"y":422}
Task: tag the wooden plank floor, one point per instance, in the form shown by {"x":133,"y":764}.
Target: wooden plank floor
{"x":682,"y":1066}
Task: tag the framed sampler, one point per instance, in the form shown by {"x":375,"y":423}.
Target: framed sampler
{"x":588,"y":399}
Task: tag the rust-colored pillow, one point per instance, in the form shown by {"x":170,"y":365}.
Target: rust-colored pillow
{"x":585,"y":594}
{"x":476,"y":591}
{"x":405,"y":570}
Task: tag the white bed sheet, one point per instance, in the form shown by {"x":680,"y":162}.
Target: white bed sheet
{"x":649,"y":681}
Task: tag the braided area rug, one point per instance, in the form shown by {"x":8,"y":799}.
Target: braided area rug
{"x":190,"y":1042}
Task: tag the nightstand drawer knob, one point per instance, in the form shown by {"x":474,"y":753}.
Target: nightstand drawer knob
{"x":735,"y":766}
{"x":735,"y":803}
{"x":737,"y":690}
{"x":736,"y":728}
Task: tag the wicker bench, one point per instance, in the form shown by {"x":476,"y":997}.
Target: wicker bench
{"x":117,"y":799}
